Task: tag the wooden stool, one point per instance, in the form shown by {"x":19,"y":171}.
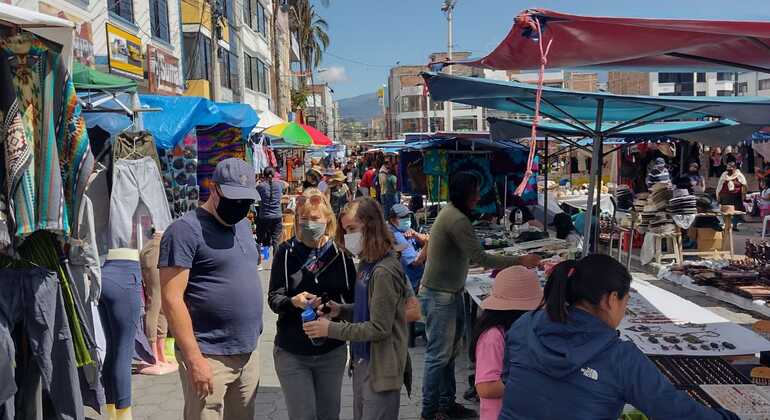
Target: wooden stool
{"x":674,"y":245}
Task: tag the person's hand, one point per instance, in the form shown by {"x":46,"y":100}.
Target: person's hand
{"x":334,"y":309}
{"x":199,"y":372}
{"x":317,"y":329}
{"x":301,"y":300}
{"x":529,"y":260}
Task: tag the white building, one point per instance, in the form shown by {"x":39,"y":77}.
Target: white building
{"x":321,"y":110}
{"x":692,"y":84}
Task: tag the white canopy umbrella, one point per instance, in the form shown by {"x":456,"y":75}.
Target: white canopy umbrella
{"x":57,"y":30}
{"x":267,"y":119}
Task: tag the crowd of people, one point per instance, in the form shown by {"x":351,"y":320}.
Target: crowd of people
{"x":349,"y":282}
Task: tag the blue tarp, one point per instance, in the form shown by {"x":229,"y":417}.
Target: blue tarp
{"x":520,"y":98}
{"x":178,"y":116}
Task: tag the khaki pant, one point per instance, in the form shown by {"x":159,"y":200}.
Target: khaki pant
{"x":236,"y":379}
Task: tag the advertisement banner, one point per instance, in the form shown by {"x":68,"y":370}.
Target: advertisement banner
{"x":124,"y":53}
{"x":83,"y":44}
{"x":164,"y":73}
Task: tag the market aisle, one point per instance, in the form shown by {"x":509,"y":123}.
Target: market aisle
{"x":160,"y":398}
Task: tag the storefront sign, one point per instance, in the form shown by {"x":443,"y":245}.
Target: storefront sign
{"x":164,"y":74}
{"x":83,"y":45}
{"x":124,"y":53}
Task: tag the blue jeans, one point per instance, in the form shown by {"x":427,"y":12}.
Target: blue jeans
{"x":444,"y":319}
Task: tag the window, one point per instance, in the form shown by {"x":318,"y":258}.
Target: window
{"x":675,"y":78}
{"x":249,"y":71}
{"x":701,"y":93}
{"x":122,"y":8}
{"x":263,"y":75}
{"x":159,"y":19}
{"x":254,"y":16}
{"x":701,"y":77}
{"x":764,"y":84}
{"x":197,"y":55}
{"x":464,"y":124}
{"x":256,"y":74}
{"x":725,"y":76}
{"x":724,"y":93}
{"x":228,"y":69}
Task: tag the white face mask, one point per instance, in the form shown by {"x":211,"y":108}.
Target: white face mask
{"x":354,"y":242}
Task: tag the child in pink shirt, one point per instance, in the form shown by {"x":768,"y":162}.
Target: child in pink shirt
{"x":516,"y":290}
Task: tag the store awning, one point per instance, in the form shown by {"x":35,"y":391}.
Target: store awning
{"x":561,"y":104}
{"x":85,"y":78}
{"x":632,"y":44}
{"x":57,"y":30}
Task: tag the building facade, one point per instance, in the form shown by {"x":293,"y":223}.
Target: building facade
{"x":322,"y":111}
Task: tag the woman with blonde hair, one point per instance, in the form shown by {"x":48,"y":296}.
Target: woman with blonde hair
{"x":378,"y":330}
{"x":309,"y":269}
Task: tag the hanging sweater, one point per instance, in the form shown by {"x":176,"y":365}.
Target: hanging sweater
{"x":453,"y":246}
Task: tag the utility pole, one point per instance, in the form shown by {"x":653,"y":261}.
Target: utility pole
{"x":216,"y":14}
{"x":448,"y":8}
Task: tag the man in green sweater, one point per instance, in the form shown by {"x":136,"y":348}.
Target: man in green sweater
{"x":452,"y":248}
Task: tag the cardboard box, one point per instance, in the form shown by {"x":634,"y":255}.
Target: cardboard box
{"x":708,"y":239}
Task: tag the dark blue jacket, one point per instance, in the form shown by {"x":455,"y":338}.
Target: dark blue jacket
{"x":582,"y":370}
{"x":270,"y":205}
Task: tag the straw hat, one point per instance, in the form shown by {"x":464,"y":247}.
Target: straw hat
{"x":515,"y":288}
{"x":338,"y":176}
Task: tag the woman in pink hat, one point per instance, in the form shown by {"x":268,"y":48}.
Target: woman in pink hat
{"x":516,"y":290}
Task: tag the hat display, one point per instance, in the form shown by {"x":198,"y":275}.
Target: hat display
{"x":624,"y":197}
{"x":682,"y":203}
{"x":515,"y":288}
{"x":660,"y":194}
{"x":236,"y":179}
{"x":706,"y":204}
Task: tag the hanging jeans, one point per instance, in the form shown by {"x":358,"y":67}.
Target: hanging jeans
{"x":120,"y":308}
{"x":33,"y":297}
{"x":134,"y":181}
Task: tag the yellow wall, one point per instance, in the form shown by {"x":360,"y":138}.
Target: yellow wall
{"x":191,"y":13}
{"x":197,"y":88}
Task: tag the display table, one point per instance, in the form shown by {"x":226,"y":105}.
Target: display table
{"x":728,"y":246}
{"x":579,"y":201}
{"x":659,"y":322}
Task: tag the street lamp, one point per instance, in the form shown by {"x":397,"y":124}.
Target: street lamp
{"x":448,"y":8}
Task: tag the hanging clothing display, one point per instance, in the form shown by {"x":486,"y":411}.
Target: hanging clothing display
{"x":216,"y":143}
{"x":438,"y":187}
{"x":32,"y":297}
{"x":479,"y":166}
{"x":179,"y":167}
{"x":435,"y":162}
{"x":135,"y":145}
{"x":51,"y":182}
{"x":134,"y":182}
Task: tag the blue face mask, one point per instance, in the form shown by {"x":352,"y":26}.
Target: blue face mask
{"x":404,"y":224}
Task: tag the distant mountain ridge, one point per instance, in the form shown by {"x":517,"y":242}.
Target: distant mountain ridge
{"x":360,"y":108}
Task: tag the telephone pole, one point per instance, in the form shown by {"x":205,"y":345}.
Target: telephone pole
{"x":448,"y":8}
{"x":216,"y":15}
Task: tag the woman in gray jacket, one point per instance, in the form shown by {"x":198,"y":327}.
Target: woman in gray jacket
{"x":378,"y":331}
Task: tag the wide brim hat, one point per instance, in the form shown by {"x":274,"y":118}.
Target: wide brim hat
{"x":516,"y":288}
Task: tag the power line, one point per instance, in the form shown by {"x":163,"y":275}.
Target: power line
{"x":356,"y":61}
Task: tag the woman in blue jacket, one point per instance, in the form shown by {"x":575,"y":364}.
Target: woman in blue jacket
{"x":566,"y":361}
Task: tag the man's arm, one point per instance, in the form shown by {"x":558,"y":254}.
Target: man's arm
{"x":173,"y":281}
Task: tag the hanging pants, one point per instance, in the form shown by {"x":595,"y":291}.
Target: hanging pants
{"x":32,"y":297}
{"x":120,"y":308}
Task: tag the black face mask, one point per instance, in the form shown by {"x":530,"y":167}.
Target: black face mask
{"x":232,"y":211}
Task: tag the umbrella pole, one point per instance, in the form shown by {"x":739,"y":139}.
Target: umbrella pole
{"x":545,"y":189}
{"x":596,"y":155}
{"x":598,"y":211}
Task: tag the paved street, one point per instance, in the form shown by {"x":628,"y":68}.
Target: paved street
{"x":160,"y":397}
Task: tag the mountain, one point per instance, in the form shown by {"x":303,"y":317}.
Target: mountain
{"x":360,"y":108}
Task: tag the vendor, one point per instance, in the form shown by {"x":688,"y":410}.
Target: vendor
{"x":527,"y":217}
{"x":407,"y":243}
{"x":697,"y":182}
{"x":731,"y":188}
{"x":566,"y":360}
{"x":452,"y":248}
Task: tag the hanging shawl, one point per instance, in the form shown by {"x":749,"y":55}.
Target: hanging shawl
{"x":52,"y":185}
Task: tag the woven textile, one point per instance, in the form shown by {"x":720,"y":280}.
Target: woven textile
{"x":215,"y":144}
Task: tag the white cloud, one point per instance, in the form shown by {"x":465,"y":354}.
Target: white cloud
{"x":333,"y":74}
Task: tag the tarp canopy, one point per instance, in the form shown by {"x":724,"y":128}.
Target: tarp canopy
{"x":178,"y":115}
{"x":85,"y":78}
{"x":632,"y":44}
{"x":267,"y":119}
{"x":562,"y":104}
{"x":57,"y":30}
{"x":513,"y":129}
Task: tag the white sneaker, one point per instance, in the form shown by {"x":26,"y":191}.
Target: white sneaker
{"x":259,"y":268}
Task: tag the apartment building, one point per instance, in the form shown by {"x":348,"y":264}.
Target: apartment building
{"x":138,"y":39}
{"x":673,"y":84}
{"x":322,"y":111}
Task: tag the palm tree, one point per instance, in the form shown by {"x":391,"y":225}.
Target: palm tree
{"x":312,"y":36}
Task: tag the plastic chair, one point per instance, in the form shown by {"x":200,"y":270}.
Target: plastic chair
{"x":764,"y":225}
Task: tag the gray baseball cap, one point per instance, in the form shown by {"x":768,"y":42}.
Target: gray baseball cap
{"x":236,"y":179}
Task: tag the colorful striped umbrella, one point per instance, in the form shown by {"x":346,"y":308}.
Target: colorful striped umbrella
{"x":299,"y":134}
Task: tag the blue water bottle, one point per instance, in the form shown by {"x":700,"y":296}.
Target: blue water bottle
{"x":309,"y":315}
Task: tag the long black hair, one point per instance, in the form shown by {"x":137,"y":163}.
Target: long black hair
{"x":461,"y":186}
{"x":585,"y":280}
{"x":491,"y":319}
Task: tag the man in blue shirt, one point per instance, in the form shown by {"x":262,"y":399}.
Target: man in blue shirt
{"x":212,"y":297}
{"x":407,"y":243}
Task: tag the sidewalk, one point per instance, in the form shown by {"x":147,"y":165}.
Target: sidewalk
{"x":160,"y":397}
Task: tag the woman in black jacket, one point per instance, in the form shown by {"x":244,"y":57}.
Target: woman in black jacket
{"x":309,"y":269}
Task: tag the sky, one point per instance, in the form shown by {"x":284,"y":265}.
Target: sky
{"x":370,"y":36}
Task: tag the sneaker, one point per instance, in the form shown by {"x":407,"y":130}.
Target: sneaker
{"x":260,"y":268}
{"x":459,"y":411}
{"x":471,"y":395}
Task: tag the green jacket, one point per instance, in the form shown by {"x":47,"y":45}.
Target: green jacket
{"x":453,"y":245}
{"x":386,"y":329}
